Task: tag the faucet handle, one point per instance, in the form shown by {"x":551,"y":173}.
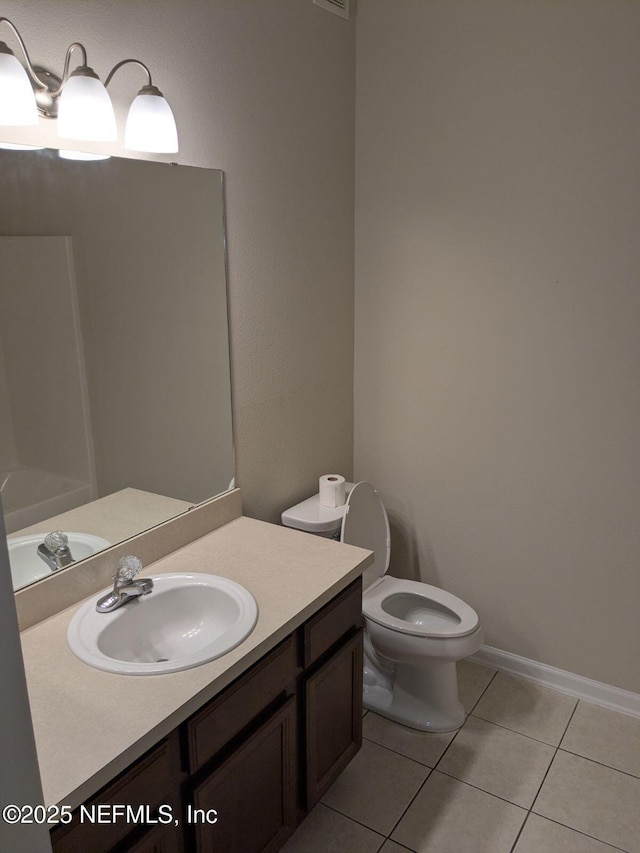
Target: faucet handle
{"x":56,"y":540}
{"x":128,"y":568}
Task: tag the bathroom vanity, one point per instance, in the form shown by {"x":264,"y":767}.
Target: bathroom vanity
{"x":227,"y":756}
{"x":243,"y":771}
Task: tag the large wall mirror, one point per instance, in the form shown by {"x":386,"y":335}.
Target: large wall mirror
{"x":115,"y":399}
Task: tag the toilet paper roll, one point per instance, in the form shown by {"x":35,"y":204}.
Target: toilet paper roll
{"x":332,"y":490}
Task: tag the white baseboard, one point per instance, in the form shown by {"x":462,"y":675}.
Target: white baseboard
{"x":596,"y":692}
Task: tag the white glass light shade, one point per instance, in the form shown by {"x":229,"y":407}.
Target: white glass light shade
{"x":151,"y":125}
{"x":85,"y":110}
{"x":17,"y":101}
{"x":18,"y":146}
{"x":67,"y":154}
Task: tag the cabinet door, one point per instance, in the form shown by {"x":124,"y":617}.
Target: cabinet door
{"x":157,"y":840}
{"x":253,"y":792}
{"x":333,"y":710}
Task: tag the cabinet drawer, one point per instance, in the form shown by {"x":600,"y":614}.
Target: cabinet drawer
{"x":213,"y":727}
{"x":149,"y":783}
{"x":337,"y":618}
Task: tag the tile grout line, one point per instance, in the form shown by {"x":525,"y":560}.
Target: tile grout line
{"x":566,"y":728}
{"x":401,"y":754}
{"x":384,"y":841}
{"x":408,"y":806}
{"x":428,"y":776}
{"x":544,"y":779}
{"x":587,"y":757}
{"x":435,"y":766}
{"x":483,"y":791}
{"x":579,"y":832}
{"x":599,"y":763}
{"x":515,"y":731}
{"x":352,"y":819}
{"x":401,"y":846}
{"x":555,"y":754}
{"x":489,"y":683}
{"x":520,"y":831}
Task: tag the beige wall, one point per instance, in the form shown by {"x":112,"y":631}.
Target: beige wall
{"x":265,"y":92}
{"x":497,"y":313}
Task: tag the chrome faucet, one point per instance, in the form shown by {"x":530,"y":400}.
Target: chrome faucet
{"x":55,"y":551}
{"x":124,"y":586}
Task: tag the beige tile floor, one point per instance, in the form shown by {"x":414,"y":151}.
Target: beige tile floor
{"x":530,"y":771}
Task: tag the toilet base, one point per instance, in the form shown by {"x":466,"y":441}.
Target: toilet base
{"x":424,"y":697}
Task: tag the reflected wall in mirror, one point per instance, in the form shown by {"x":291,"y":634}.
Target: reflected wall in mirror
{"x":115,"y":399}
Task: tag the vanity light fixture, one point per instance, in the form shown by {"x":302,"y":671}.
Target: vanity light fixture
{"x":80,"y":102}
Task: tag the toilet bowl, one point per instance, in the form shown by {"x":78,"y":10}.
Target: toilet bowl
{"x":414,"y":632}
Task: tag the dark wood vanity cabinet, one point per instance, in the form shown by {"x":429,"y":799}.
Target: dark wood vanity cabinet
{"x":242,"y":772}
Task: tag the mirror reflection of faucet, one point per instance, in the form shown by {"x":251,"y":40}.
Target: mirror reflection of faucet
{"x":125,"y":587}
{"x":55,"y":551}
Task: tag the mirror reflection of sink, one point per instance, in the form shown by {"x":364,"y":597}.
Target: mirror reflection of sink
{"x":187,"y":620}
{"x":27,"y":566}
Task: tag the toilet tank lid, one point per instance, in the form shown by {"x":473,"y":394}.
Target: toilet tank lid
{"x":366,"y":525}
{"x":309,"y":515}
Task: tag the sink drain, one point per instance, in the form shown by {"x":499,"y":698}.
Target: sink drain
{"x":162,"y":660}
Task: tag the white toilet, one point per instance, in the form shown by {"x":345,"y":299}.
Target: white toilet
{"x":414,"y":632}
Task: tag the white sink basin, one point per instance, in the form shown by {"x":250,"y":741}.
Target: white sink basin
{"x":187,"y":620}
{"x":27,"y":567}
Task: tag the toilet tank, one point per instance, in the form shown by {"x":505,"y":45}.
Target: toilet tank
{"x":312,"y":517}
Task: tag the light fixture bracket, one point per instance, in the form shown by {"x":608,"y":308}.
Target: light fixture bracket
{"x":47,"y":96}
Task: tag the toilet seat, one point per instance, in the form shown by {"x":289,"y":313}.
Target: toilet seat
{"x":418,"y":609}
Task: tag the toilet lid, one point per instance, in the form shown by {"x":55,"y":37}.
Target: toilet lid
{"x":366,"y":525}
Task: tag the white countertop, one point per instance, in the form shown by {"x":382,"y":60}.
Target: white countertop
{"x":90,"y":725}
